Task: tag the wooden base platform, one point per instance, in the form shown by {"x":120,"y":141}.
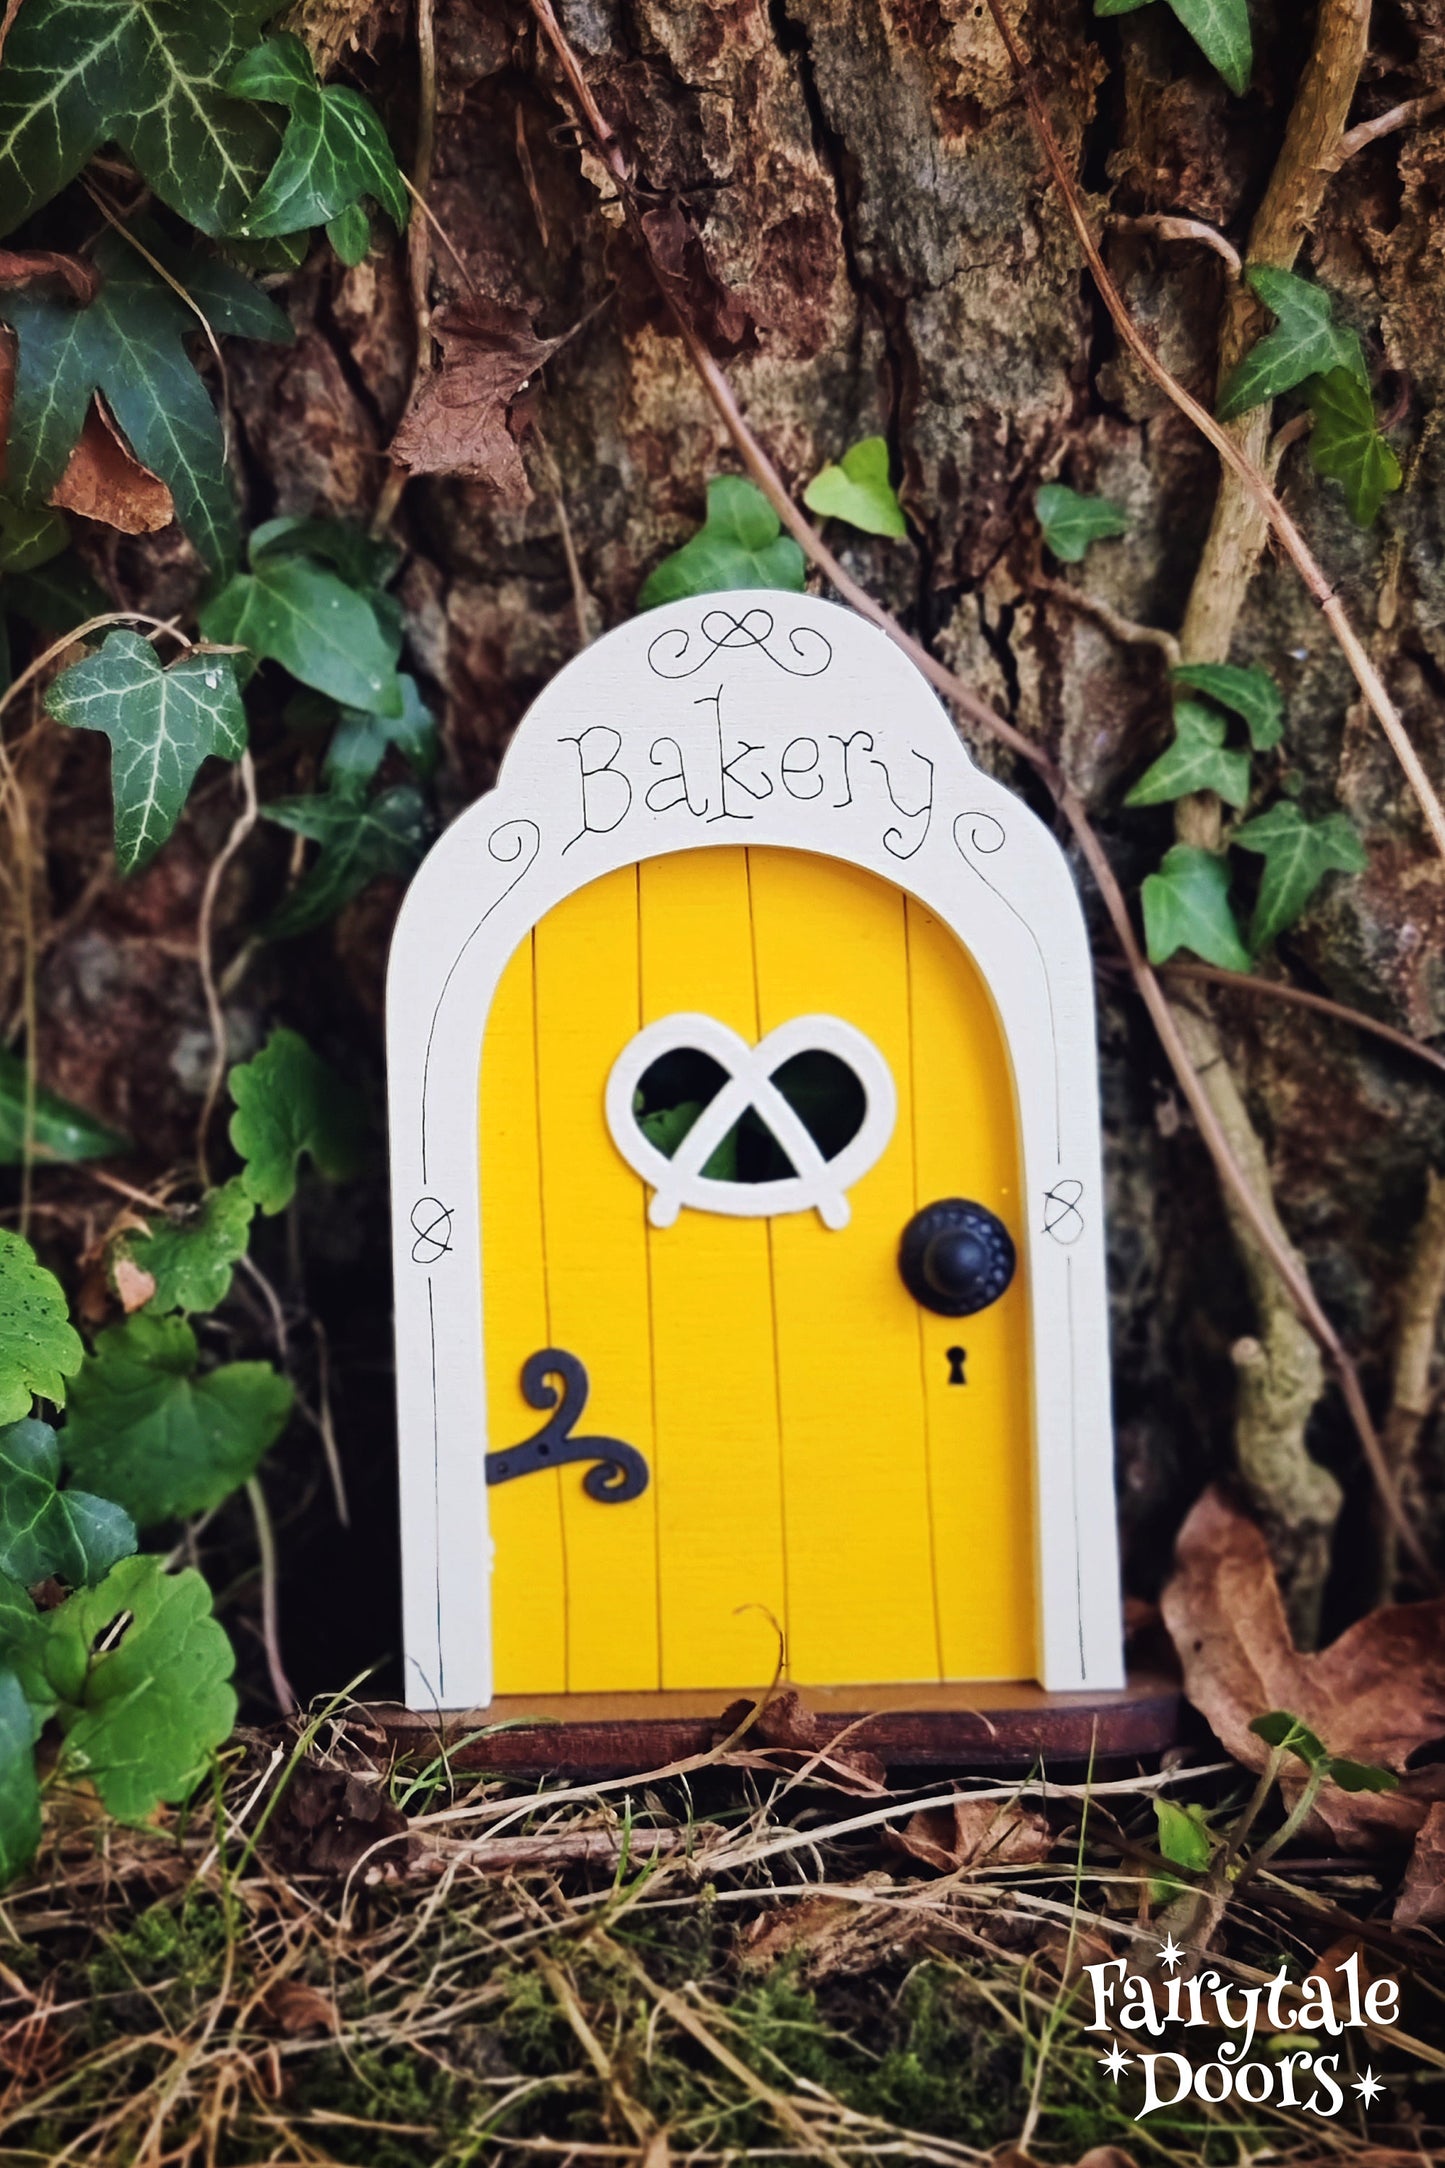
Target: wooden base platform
{"x":998,"y":1725}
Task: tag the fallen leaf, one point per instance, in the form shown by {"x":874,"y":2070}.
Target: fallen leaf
{"x":46,"y":266}
{"x":791,"y":1737}
{"x":1376,"y":1695}
{"x":294,"y":2007}
{"x":103,"y":480}
{"x":329,"y":1820}
{"x":974,"y":1833}
{"x":1421,"y":1902}
{"x":462,"y":419}
{"x":132,"y":1285}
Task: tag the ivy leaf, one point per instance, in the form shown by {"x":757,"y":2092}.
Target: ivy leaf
{"x":363,"y":560}
{"x":1297,"y":855}
{"x":291,"y":611}
{"x":1197,"y":760}
{"x":858,"y":490}
{"x":161,"y":724}
{"x":1220,"y":28}
{"x":1071,"y":522}
{"x":350,"y":233}
{"x":19,"y":1780}
{"x":128,"y":343}
{"x":360,"y":741}
{"x":191,"y":1259}
{"x":146,"y":74}
{"x":740,"y":544}
{"x":45,"y":1530}
{"x":335,"y":150}
{"x":1250,"y":693}
{"x":30,"y":536}
{"x":144,"y":1712}
{"x":289,"y":1102}
{"x":39,"y":1348}
{"x":58,"y":1130}
{"x":1186,"y":906}
{"x":1305,"y":342}
{"x":22,"y":1651}
{"x":55,"y":598}
{"x":1346,"y":444}
{"x":1183,"y":1837}
{"x":360,"y":839}
{"x":144,"y":1429}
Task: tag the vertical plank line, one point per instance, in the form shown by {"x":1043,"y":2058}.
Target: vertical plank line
{"x":772,"y":1292}
{"x":555,"y":1477}
{"x":930,"y":1440}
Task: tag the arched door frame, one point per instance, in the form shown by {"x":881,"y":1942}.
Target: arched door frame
{"x":760,"y":719}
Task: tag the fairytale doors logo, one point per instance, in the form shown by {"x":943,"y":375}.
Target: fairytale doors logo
{"x":1271,"y":2042}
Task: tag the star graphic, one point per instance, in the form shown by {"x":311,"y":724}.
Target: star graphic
{"x":1116,"y":2062}
{"x":1171,"y":1951}
{"x":1368,"y":2087}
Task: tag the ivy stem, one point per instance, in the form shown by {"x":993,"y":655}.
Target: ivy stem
{"x":270,"y":1597}
{"x":244,"y":822}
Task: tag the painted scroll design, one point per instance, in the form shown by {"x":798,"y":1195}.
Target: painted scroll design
{"x":816,"y":1184}
{"x":986,"y":837}
{"x":619,"y":1471}
{"x":511,"y":843}
{"x":721,"y":632}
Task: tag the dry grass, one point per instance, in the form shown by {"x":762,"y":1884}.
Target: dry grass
{"x":738,"y":1961}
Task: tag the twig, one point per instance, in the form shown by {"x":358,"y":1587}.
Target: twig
{"x":67,"y":640}
{"x":418,"y":243}
{"x":1421,"y":1297}
{"x":1123,"y":629}
{"x":1182,"y":229}
{"x":1403,"y":115}
{"x":1247,"y":473}
{"x":1261,"y":1222}
{"x":324,"y":1426}
{"x":1244,"y":982}
{"x":244,"y":822}
{"x":281,"y":1687}
{"x":636,"y":2117}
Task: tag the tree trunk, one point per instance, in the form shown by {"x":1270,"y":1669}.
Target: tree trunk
{"x":854,"y":202}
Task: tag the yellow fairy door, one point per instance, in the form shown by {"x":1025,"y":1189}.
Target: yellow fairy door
{"x":721,"y":1409}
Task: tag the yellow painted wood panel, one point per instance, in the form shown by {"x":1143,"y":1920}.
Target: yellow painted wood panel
{"x":966,"y":1144}
{"x":529,"y":1584}
{"x":718,"y":1471}
{"x":829,"y":938}
{"x":595,"y":1244}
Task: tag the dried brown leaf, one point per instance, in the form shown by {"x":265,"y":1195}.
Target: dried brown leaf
{"x":974,"y":1833}
{"x":1376,"y":1695}
{"x":463,"y":417}
{"x":1421,"y":1902}
{"x":103,"y":480}
{"x":329,"y":1820}
{"x":47,"y":267}
{"x":133,"y":1285}
{"x":295,"y":2007}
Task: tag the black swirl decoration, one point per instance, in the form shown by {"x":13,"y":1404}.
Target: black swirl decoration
{"x":513,"y":841}
{"x":986,"y":836}
{"x":619,"y":1471}
{"x":721,"y":632}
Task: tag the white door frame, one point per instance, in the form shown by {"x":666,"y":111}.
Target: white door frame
{"x":754,"y":718}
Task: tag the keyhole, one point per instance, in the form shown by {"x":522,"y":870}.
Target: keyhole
{"x":957,"y":1357}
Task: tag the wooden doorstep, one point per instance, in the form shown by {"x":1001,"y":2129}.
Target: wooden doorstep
{"x":992,"y":1725}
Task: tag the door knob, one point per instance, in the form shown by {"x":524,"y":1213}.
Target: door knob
{"x":956,"y":1257}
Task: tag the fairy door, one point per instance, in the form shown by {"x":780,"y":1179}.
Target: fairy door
{"x":747,"y":1203}
{"x":769,"y":1387}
